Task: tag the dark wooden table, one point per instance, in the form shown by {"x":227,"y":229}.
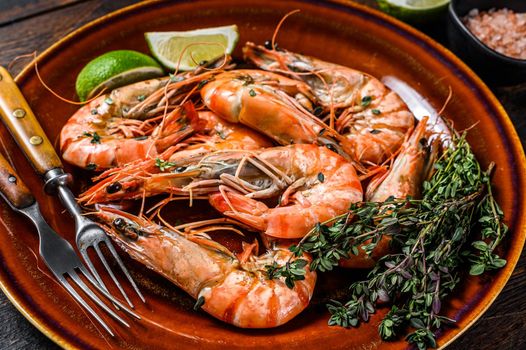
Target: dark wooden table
{"x":29,"y":25}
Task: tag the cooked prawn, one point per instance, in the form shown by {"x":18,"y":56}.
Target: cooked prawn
{"x":234,"y":291}
{"x":269,"y":103}
{"x":404,"y":178}
{"x":94,"y":140}
{"x":116,"y":128}
{"x":314,"y":184}
{"x":148,"y":177}
{"x":373,"y":118}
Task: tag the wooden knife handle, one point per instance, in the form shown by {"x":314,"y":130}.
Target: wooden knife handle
{"x":12,"y":187}
{"x":23,"y":125}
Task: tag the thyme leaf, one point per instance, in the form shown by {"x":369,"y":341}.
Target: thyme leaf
{"x":164,"y":165}
{"x":95,"y":138}
{"x":292,"y":271}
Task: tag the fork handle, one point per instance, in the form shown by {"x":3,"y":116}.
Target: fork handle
{"x":24,"y":126}
{"x":12,"y":187}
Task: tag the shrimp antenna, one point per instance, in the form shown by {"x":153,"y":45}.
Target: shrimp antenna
{"x":446,"y":102}
{"x":279,"y":26}
{"x":17,"y":58}
{"x":56,"y":94}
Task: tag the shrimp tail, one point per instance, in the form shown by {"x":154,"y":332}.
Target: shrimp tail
{"x":241,"y":208}
{"x":408,"y":171}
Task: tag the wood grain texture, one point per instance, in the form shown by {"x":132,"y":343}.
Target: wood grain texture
{"x":16,"y":10}
{"x":39,"y":32}
{"x":40,"y":23}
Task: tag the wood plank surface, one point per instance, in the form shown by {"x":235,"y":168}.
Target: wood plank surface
{"x":17,"y":10}
{"x":28,"y":25}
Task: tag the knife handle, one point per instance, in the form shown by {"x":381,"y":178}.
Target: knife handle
{"x":24,"y":126}
{"x":12,"y":187}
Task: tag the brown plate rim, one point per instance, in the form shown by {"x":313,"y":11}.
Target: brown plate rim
{"x":420,"y":38}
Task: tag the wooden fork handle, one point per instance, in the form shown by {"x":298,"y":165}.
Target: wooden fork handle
{"x":24,"y":126}
{"x":12,"y":187}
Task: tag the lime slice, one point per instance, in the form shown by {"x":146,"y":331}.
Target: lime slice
{"x":415,"y":11}
{"x":191,"y":48}
{"x":114,"y":69}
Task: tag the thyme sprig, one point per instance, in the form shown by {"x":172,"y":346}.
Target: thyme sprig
{"x":292,"y":271}
{"x":431,"y":236}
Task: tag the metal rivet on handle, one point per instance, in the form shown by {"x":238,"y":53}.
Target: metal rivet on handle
{"x":19,"y":113}
{"x":11,"y":179}
{"x":35,"y":140}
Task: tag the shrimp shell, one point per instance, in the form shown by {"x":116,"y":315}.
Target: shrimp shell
{"x":235,"y":292}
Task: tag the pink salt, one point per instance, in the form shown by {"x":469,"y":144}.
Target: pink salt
{"x":502,"y":30}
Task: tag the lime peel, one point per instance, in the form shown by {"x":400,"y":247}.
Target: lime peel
{"x":114,"y":69}
{"x":416,"y":11}
{"x":186,"y":50}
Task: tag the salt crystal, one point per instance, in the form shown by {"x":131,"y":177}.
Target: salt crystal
{"x":502,"y":30}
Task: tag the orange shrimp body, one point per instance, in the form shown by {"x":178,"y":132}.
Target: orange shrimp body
{"x":314,"y":184}
{"x":146,"y":178}
{"x":120,"y":127}
{"x":404,"y":178}
{"x":373,"y":118}
{"x":94,"y":138}
{"x":233,"y":291}
{"x":265,"y":102}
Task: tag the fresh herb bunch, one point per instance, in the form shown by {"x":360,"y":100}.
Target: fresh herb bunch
{"x":431,"y":235}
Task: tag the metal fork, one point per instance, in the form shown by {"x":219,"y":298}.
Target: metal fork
{"x":23,"y":125}
{"x":88,"y":233}
{"x":56,"y":252}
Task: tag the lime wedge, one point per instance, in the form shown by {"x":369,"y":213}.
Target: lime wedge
{"x":189,"y":49}
{"x":114,"y":69}
{"x":415,"y":11}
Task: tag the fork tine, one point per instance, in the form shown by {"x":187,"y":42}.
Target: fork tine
{"x":94,"y":272}
{"x":107,"y":294}
{"x":123,"y":268}
{"x":82,"y":302}
{"x":105,"y":263}
{"x":95,"y":298}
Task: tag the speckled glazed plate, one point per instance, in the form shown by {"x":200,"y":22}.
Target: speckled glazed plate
{"x":336,"y":31}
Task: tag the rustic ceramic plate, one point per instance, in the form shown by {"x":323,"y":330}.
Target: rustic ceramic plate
{"x":336,"y":31}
